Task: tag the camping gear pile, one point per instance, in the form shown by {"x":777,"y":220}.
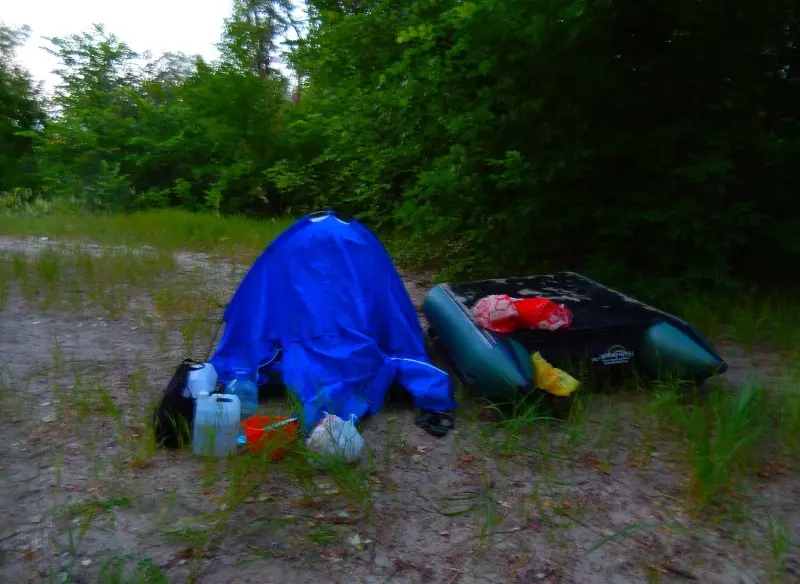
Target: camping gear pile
{"x":195,"y":409}
{"x":324,"y":313}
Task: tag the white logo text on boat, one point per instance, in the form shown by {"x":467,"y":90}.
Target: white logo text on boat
{"x":614,"y":355}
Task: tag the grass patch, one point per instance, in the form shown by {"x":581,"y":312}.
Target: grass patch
{"x":97,"y":507}
{"x":750,"y":318}
{"x":192,"y":534}
{"x":778,"y":546}
{"x":323,"y":535}
{"x":79,"y":279}
{"x":127,"y":569}
{"x":413,"y":252}
{"x":7,"y":279}
{"x":167,"y":229}
{"x":516,"y":420}
{"x":88,"y":397}
{"x":192,"y":310}
{"x":727,"y":436}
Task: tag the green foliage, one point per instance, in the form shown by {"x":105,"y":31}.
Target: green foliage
{"x":530,"y":135}
{"x":20,"y":113}
{"x":177,"y":131}
{"x":552,"y":135}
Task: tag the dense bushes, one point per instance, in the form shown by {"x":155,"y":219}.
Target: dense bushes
{"x":614,"y":134}
{"x":640,"y":139}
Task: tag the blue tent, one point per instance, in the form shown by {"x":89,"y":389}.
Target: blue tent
{"x":325,"y":307}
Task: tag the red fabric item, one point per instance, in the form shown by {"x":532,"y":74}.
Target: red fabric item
{"x":502,"y":314}
{"x":544,"y":314}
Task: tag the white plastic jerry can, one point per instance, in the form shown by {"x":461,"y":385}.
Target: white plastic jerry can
{"x":202,"y":377}
{"x":216,"y":424}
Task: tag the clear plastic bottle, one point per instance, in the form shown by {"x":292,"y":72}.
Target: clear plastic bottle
{"x":244,"y":387}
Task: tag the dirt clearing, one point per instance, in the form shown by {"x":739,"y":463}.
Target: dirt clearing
{"x":89,"y":337}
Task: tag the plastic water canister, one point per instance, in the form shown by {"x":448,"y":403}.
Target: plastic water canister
{"x":202,"y":378}
{"x":216,"y":424}
{"x":246,"y":389}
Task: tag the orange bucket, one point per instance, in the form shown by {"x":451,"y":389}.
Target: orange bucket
{"x":275,"y":441}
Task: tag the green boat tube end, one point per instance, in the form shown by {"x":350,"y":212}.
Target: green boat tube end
{"x":668,"y":350}
{"x":492,"y":367}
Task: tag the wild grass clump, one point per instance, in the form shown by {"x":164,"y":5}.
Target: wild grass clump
{"x":727,"y":435}
{"x":512,"y":423}
{"x":128,"y":569}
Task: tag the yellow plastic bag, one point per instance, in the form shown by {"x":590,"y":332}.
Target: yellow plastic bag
{"x":551,"y":379}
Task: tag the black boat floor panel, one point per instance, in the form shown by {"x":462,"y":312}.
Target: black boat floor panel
{"x":594,"y":307}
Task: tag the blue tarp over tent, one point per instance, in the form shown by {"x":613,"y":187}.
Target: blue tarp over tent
{"x":324,"y":305}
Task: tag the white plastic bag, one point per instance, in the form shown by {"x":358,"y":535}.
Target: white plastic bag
{"x":336,"y":438}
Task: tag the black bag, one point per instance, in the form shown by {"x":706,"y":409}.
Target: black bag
{"x":174,"y":416}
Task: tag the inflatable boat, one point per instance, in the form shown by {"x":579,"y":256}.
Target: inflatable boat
{"x":611,"y":335}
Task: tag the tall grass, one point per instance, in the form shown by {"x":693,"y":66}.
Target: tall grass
{"x":749,"y":318}
{"x":168,"y":229}
{"x":726,"y":436}
{"x":58,"y":276}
